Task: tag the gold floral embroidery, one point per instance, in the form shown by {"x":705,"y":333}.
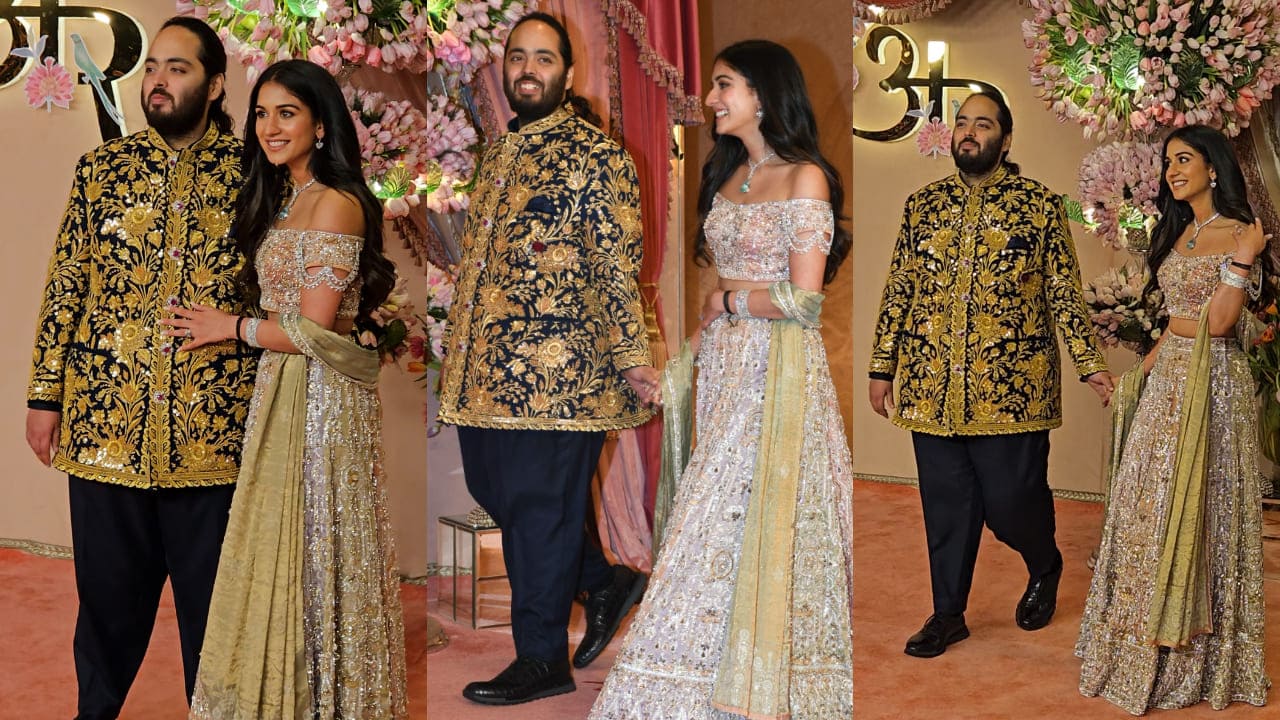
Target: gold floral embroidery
{"x":145,"y":228}
{"x":979,"y":281}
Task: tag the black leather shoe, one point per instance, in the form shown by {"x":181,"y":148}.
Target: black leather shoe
{"x":1036,"y":607}
{"x":524,"y":680}
{"x":605,"y":610}
{"x":938,"y":632}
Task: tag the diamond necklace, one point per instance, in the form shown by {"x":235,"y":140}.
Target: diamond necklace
{"x":1200,"y":226}
{"x":745,"y":187}
{"x":284,"y":211}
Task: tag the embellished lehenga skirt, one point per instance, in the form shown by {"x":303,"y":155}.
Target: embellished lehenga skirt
{"x":1225,"y":664}
{"x":667,"y":665}
{"x":306,"y":618}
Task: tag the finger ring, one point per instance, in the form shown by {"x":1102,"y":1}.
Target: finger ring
{"x":188,"y":332}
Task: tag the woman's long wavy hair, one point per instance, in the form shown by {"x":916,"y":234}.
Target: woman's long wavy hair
{"x":336,"y":165}
{"x":1230,"y":198}
{"x":789,"y":128}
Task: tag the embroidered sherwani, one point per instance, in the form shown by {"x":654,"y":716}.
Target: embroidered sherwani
{"x":547,"y":310}
{"x":145,"y":229}
{"x":980,"y":278}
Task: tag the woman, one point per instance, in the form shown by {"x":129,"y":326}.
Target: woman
{"x":748,"y":612}
{"x":305,"y":620}
{"x":1175,"y":612}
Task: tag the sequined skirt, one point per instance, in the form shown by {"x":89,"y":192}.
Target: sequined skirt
{"x":667,"y":665}
{"x":1225,"y":665}
{"x":343,"y":583}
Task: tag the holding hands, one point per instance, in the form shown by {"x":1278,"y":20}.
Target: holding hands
{"x":646,"y":382}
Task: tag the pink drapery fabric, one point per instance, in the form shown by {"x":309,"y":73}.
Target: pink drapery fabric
{"x":658,"y":72}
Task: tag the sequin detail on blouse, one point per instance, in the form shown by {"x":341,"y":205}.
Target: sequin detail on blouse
{"x":753,"y":241}
{"x":285,"y":256}
{"x":1189,"y":281}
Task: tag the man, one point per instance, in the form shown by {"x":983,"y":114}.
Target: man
{"x":546,"y":352}
{"x":149,"y":437}
{"x":983,"y":269}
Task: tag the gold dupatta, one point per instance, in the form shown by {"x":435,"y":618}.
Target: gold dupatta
{"x":253,"y":665}
{"x":754,"y":676}
{"x":1124,"y":405}
{"x":677,"y":433}
{"x":1180,"y":604}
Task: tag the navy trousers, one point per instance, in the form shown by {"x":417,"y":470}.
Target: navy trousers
{"x":536,"y":484}
{"x":968,"y":481}
{"x":126,"y":542}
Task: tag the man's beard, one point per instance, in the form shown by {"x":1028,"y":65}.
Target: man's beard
{"x":185,"y":114}
{"x":981,"y":162}
{"x":529,"y":110}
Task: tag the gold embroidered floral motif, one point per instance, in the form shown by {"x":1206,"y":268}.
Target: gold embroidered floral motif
{"x":129,"y":249}
{"x":979,"y":281}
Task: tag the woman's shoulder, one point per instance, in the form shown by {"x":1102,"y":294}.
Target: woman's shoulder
{"x":338,"y":212}
{"x":808,"y":181}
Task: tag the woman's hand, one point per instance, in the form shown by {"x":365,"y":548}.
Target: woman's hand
{"x":1250,"y":242}
{"x":712,"y":308}
{"x":200,"y":325}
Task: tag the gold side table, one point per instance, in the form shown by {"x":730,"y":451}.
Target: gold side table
{"x":487,"y":596}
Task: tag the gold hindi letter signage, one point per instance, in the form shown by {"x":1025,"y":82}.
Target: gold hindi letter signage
{"x":902,"y":80}
{"x":48,"y":17}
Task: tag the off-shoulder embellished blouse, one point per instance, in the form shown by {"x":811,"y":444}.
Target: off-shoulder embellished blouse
{"x":285,"y":256}
{"x":754,"y":241}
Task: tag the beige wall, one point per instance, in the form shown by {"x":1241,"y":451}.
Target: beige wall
{"x":819,"y":38}
{"x":39,"y":152}
{"x":985,"y":43}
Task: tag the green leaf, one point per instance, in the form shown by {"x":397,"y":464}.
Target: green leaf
{"x":304,"y":8}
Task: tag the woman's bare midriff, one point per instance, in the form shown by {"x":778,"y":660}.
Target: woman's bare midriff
{"x":1186,"y":327}
{"x":726,"y":284}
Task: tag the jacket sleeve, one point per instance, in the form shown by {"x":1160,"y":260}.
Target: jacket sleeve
{"x":615,"y":240}
{"x":895,"y":302}
{"x":1062,"y":289}
{"x":65,"y":291}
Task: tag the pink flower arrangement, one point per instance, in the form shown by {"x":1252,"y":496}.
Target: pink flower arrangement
{"x":407,"y":153}
{"x":49,"y":84}
{"x":427,"y":349}
{"x":453,"y":37}
{"x":1120,"y":313}
{"x":1118,"y":187}
{"x":391,"y":327}
{"x":1124,"y":68}
{"x":934,"y":139}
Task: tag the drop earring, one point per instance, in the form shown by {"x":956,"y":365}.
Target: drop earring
{"x":1213,"y":183}
{"x":759,"y":113}
{"x":319,"y":143}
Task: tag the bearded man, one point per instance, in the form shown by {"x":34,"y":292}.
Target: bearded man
{"x":150,"y":438}
{"x":547,"y":351}
{"x":983,"y":271}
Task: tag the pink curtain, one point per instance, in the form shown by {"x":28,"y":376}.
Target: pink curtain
{"x":658,"y":73}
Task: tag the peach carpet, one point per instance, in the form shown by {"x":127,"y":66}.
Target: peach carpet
{"x":481,"y":654}
{"x":1001,"y":671}
{"x":37,"y":618}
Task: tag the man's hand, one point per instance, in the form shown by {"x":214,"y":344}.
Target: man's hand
{"x":644,"y":379}
{"x":881,"y":393}
{"x":42,"y":433}
{"x":1102,"y":383}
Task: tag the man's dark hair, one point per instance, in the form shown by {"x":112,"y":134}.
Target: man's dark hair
{"x":580,"y":105}
{"x":213,"y":58}
{"x":1005,"y":118}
